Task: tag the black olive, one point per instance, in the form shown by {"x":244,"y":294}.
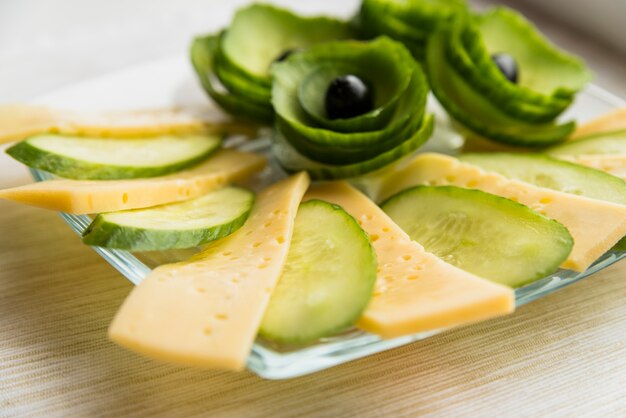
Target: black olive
{"x":507,"y":66}
{"x":285,"y":55}
{"x":348,"y":96}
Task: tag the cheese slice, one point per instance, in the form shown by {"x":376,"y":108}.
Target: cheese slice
{"x":415,"y":290}
{"x":96,"y":196}
{"x":206,"y":311}
{"x":595,"y":225}
{"x":613,"y":121}
{"x":20,"y":121}
{"x":612,"y":164}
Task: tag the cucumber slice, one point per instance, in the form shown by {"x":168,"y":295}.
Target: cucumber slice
{"x":487,"y":235}
{"x":177,"y":225}
{"x":328,"y":278}
{"x":613,"y":143}
{"x":260,"y":33}
{"x":77,"y":157}
{"x":292,"y":161}
{"x":544,"y":171}
{"x":476,"y":112}
{"x":203,"y":53}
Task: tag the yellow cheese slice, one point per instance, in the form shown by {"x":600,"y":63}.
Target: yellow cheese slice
{"x":206,"y":312}
{"x":613,"y":121}
{"x":95,"y":196}
{"x":612,"y":164}
{"x":595,"y":225}
{"x":415,"y":290}
{"x":20,"y":121}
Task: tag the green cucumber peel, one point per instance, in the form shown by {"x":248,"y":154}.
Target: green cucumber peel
{"x":259,"y":33}
{"x":203,"y":53}
{"x":292,"y":161}
{"x":476,"y":112}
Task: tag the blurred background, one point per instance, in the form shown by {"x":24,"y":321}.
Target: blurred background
{"x":45,"y":45}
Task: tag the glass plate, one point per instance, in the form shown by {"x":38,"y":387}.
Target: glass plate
{"x":269,"y":360}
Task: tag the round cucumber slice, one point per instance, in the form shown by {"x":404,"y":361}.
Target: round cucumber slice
{"x":77,"y":157}
{"x":292,"y":161}
{"x":177,"y":225}
{"x":487,"y":235}
{"x":203,"y":54}
{"x":544,"y":171}
{"x":612,"y":143}
{"x":259,"y":34}
{"x":475,"y":111}
{"x":328,"y":278}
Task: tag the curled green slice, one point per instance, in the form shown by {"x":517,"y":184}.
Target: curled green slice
{"x":478,"y":113}
{"x":292,"y":161}
{"x":381,"y":57}
{"x":545,"y":69}
{"x":312,"y":100}
{"x":203,"y":52}
{"x":517,"y":101}
{"x":259,"y":34}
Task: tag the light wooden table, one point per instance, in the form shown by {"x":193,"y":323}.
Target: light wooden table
{"x":564,"y":355}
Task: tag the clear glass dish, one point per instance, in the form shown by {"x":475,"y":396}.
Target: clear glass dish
{"x":269,"y":360}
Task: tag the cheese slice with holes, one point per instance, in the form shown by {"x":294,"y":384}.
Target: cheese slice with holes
{"x":595,"y":225}
{"x":612,"y":164}
{"x":95,"y":196}
{"x":415,"y":290}
{"x":613,"y":121}
{"x":206,"y":311}
{"x":20,"y":121}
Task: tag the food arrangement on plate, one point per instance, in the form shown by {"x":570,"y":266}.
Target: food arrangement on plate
{"x":362,"y":229}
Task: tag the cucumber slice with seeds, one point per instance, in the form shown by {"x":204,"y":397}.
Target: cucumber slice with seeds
{"x":544,"y":171}
{"x":490,"y":236}
{"x":328,"y":278}
{"x":77,"y":157}
{"x":177,"y":225}
{"x":612,"y":143}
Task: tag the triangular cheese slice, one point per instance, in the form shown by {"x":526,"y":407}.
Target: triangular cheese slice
{"x":613,"y":121}
{"x":415,"y":290}
{"x":96,"y":196}
{"x":612,"y":164}
{"x":206,"y":312}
